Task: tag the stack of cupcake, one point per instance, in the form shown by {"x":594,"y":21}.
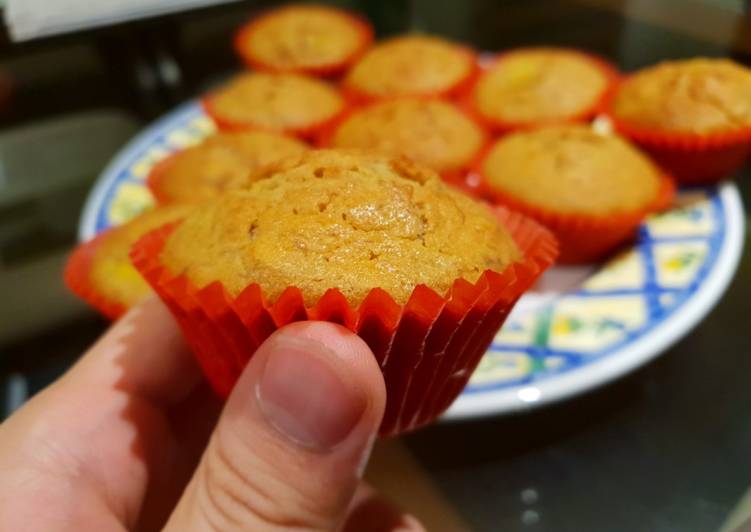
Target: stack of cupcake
{"x":325,"y":193}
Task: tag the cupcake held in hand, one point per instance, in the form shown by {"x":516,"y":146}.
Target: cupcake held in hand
{"x":380,"y":245}
{"x":693,"y":116}
{"x":591,"y":190}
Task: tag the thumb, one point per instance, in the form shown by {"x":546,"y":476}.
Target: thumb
{"x":293,"y":438}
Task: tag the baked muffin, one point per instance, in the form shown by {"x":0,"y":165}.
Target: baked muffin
{"x":412,"y":65}
{"x":275,"y":102}
{"x":535,"y":86}
{"x":431,"y":132}
{"x":303,"y":38}
{"x":379,"y":245}
{"x":693,"y":116}
{"x":591,"y":190}
{"x":221,"y":162}
{"x":100,"y":272}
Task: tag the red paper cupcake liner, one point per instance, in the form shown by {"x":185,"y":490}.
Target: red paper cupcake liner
{"x":357,"y":95}
{"x":692,"y":158}
{"x":584,"y":238}
{"x":308,"y":132}
{"x":77,"y":276}
{"x":427,"y":348}
{"x":454,"y":176}
{"x":253,"y":62}
{"x":498,"y":125}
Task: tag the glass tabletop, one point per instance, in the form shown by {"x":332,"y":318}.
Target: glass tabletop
{"x":663,"y":449}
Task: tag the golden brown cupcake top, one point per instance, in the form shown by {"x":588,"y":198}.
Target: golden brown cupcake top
{"x":276,"y":101}
{"x":221,"y":162}
{"x":431,"y":132}
{"x":539,"y":85}
{"x":301,"y":37}
{"x":111,"y":274}
{"x":410,"y":65}
{"x":339,"y":219}
{"x":572,"y":169}
{"x":693,"y":96}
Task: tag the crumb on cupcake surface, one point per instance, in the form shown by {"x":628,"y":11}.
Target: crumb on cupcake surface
{"x":539,"y":85}
{"x":431,"y":132}
{"x":276,"y":101}
{"x":222,"y":162}
{"x":111,"y":273}
{"x":572,"y":169}
{"x":303,"y":36}
{"x":696,"y":95}
{"x":410,"y":65}
{"x":340,"y":219}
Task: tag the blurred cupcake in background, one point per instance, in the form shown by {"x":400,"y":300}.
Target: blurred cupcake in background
{"x":590,"y":190}
{"x":284,"y":103}
{"x":537,"y":86}
{"x":100,"y":272}
{"x":411,"y":65}
{"x":303,"y":38}
{"x":220,"y":163}
{"x":692,"y":116}
{"x":432,"y":132}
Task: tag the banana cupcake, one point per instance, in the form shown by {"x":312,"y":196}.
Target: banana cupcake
{"x":303,"y":38}
{"x":537,"y":86}
{"x":360,"y":239}
{"x":412,"y":65}
{"x":591,"y":190}
{"x":220,"y":163}
{"x":693,"y":116}
{"x":432,"y":132}
{"x":100,"y":272}
{"x":285,"y":103}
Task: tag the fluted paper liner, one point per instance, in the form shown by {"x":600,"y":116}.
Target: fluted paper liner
{"x":427,"y":348}
{"x":692,"y":158}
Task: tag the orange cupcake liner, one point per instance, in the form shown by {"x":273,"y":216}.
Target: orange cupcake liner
{"x":692,"y":158}
{"x":356,"y":95}
{"x":427,"y":348}
{"x":505,"y":126}
{"x":77,"y":276}
{"x":307,"y":132}
{"x":584,"y":238}
{"x":454,"y":177}
{"x":253,"y":62}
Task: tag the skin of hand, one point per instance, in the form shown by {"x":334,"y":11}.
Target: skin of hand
{"x":131,"y":438}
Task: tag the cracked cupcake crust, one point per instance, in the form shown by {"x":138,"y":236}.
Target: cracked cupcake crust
{"x":696,"y":96}
{"x":572,"y":169}
{"x":338,"y":219}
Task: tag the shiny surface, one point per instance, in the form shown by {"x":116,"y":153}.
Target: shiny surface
{"x":666,"y":449}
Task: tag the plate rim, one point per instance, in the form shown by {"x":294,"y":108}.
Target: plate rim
{"x":630,"y":357}
{"x":523,"y":396}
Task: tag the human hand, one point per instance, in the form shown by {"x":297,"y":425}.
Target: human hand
{"x":128,"y":439}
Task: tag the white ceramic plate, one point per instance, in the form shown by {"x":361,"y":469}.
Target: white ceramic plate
{"x":579,"y":329}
